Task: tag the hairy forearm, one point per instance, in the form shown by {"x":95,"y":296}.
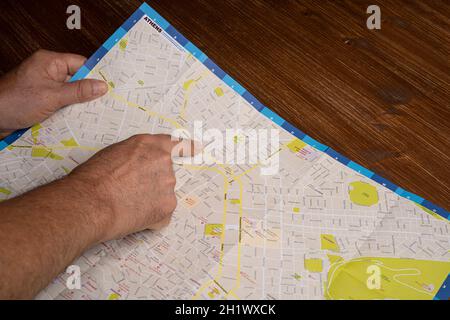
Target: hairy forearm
{"x":43,"y":231}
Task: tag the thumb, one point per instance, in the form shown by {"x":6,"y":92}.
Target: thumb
{"x":81,"y":91}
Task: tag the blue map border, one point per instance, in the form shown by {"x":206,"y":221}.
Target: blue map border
{"x":145,"y":9}
{"x":444,"y":292}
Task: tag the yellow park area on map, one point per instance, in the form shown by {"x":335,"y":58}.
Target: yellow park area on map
{"x":123,"y":44}
{"x":400,"y":279}
{"x":328,"y":242}
{"x":113,"y":296}
{"x":213,"y":229}
{"x":296,"y":145}
{"x":363,"y":193}
{"x":35,"y":132}
{"x":43,"y":152}
{"x":5,"y":191}
{"x":69,"y":143}
{"x":314,"y":265}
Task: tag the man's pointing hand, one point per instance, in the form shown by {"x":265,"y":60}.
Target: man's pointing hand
{"x":133,"y":183}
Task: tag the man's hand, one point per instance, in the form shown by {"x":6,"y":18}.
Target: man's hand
{"x":38,"y":87}
{"x":124,"y":188}
{"x":133,"y":183}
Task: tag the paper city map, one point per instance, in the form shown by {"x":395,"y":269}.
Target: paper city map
{"x":321,"y":227}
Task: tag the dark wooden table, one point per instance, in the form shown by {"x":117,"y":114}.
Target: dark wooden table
{"x":380,"y":97}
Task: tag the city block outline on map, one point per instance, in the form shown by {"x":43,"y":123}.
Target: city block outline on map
{"x":311,"y":231}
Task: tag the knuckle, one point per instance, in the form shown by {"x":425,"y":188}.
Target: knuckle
{"x":166,"y":222}
{"x":142,"y":138}
{"x":155,"y":215}
{"x":79,"y":91}
{"x":161,"y":137}
{"x":170,"y":204}
{"x":171,"y":181}
{"x":39,"y":53}
{"x":165,"y":157}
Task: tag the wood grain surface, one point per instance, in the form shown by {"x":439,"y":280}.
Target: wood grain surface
{"x":379,"y":97}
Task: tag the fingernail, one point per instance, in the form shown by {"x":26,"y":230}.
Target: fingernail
{"x":99,"y":88}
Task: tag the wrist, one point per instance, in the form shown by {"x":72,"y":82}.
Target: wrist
{"x":92,"y":209}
